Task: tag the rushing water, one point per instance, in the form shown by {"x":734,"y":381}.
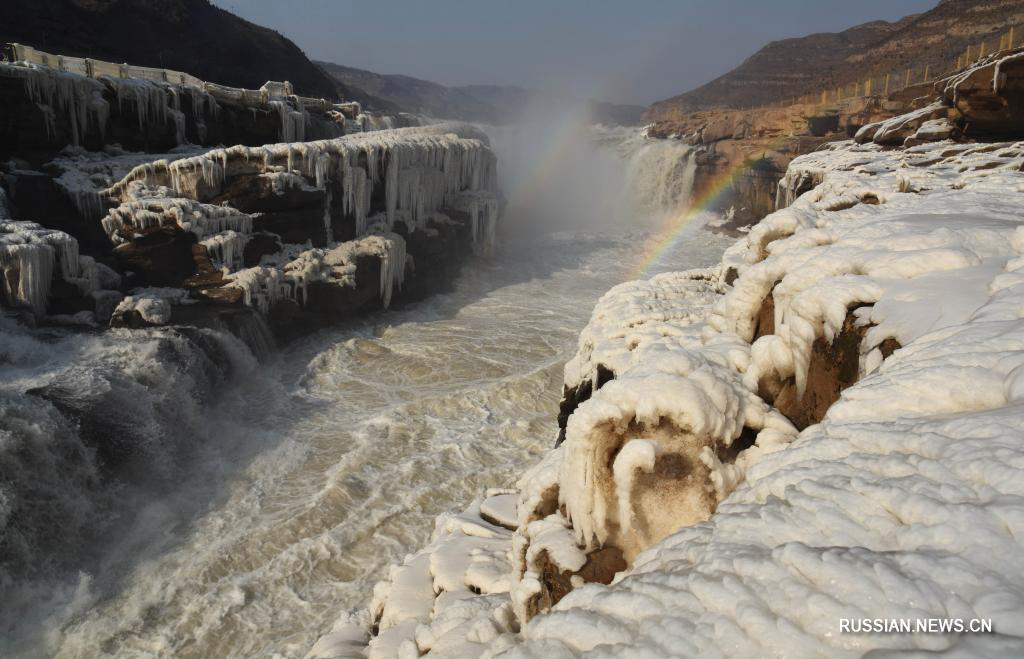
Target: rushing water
{"x":288,"y":494}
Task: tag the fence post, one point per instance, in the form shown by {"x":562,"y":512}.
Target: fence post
{"x":981,"y":50}
{"x":927,"y":68}
{"x":1010,"y":44}
{"x":89,"y":71}
{"x":906,"y":83}
{"x":886,"y":84}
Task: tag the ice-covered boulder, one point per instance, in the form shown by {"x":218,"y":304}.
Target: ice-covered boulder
{"x":34,"y":261}
{"x":390,"y":205}
{"x":990,"y":94}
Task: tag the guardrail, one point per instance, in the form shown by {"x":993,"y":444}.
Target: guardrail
{"x":94,"y":68}
{"x":882,"y":84}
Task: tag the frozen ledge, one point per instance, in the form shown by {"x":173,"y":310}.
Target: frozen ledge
{"x":327,"y":228}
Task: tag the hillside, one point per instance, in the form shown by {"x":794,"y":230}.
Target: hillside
{"x":408,"y":94}
{"x":792,"y":67}
{"x":483,"y":103}
{"x":186,"y":35}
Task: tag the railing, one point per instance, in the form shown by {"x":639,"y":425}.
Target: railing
{"x":882,"y":84}
{"x":93,"y":68}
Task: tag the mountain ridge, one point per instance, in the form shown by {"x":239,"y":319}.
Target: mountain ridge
{"x":797,"y":66}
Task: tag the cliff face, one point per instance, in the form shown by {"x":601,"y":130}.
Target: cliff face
{"x":43,"y":110}
{"x":744,"y":132}
{"x":794,"y":67}
{"x":186,"y":35}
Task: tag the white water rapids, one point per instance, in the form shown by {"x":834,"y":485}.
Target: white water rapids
{"x":294,"y":483}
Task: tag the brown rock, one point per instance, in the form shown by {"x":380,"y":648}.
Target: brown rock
{"x":161,"y":257}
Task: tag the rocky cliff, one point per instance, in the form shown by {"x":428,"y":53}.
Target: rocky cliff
{"x":751,"y":147}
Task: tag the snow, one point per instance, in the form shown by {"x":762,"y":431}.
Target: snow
{"x":903,"y":502}
{"x":152,"y":304}
{"x":449,"y":597}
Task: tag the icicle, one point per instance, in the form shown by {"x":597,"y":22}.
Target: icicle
{"x":28,"y":256}
{"x":226,"y":248}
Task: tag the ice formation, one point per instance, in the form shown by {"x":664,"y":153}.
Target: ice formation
{"x":423,"y":171}
{"x":77,"y":92}
{"x":450,"y":594}
{"x":901,"y":502}
{"x":79,"y":98}
{"x":30,"y":257}
{"x":287,"y":275}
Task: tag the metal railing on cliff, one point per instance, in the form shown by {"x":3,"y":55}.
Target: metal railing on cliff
{"x":882,"y":84}
{"x":94,"y":68}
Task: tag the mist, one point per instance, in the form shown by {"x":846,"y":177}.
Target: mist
{"x":556,"y":177}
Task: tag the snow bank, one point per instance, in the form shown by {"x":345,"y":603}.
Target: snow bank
{"x":684,"y":516}
{"x":890,"y":506}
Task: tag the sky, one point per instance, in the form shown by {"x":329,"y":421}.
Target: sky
{"x":629,"y":51}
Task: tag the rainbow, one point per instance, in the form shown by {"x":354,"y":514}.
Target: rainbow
{"x":668,"y":238}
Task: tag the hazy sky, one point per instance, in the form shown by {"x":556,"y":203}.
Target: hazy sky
{"x":626,"y":51}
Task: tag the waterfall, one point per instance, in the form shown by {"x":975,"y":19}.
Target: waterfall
{"x":86,"y":418}
{"x":660,"y":173}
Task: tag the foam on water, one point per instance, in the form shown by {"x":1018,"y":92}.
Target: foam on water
{"x":328,"y":463}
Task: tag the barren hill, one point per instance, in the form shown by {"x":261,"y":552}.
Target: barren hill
{"x":793,"y":67}
{"x":408,"y":94}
